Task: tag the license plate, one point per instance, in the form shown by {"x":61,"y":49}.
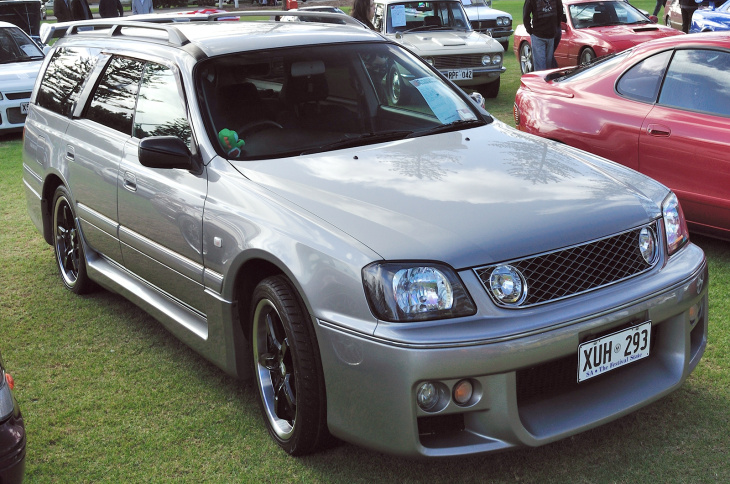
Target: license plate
{"x":607,"y":353}
{"x":24,"y":108}
{"x":459,"y":74}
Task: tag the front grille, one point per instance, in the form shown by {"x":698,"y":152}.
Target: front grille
{"x":15,"y":116}
{"x":18,"y":95}
{"x":457,"y":61}
{"x":484,"y":24}
{"x":575,"y":270}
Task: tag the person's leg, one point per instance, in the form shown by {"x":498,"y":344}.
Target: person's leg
{"x":659,"y":4}
{"x":539,"y":53}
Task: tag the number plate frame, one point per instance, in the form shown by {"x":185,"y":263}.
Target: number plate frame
{"x":613,"y":351}
{"x":459,"y":74}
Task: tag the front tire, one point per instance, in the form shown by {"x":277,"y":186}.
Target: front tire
{"x":490,"y":89}
{"x":68,"y":246}
{"x":288,"y":369}
{"x":526,"y":58}
{"x":586,"y":56}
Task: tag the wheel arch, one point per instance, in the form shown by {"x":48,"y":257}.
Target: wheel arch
{"x":51,"y":183}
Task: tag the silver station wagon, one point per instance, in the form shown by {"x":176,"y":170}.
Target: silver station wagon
{"x":312,"y":206}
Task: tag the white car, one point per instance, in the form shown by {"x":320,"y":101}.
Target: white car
{"x":20,"y":61}
{"x":490,"y":21}
{"x":441,"y":34}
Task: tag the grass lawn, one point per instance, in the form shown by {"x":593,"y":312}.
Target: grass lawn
{"x":108,"y":395}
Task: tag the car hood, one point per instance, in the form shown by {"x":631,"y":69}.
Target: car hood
{"x":449,"y":42}
{"x":466,"y":198}
{"x":622,"y":37}
{"x":19,"y":75}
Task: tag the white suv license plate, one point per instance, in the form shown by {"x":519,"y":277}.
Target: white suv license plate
{"x":459,"y":74}
{"x":602,"y":355}
{"x":24,"y":108}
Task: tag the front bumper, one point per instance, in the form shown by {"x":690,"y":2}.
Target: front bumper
{"x":523,"y":399}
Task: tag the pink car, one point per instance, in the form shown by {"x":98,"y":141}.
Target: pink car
{"x":661,"y":108}
{"x":593,"y":29}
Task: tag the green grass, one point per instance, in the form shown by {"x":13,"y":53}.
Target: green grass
{"x":108,"y":395}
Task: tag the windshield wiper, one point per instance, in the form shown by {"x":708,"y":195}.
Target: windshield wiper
{"x":459,"y":124}
{"x":364,"y":139}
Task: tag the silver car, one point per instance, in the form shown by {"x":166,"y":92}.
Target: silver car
{"x":312,"y":206}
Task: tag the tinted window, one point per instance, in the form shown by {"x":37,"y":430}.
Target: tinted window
{"x":698,"y":80}
{"x":642,"y":81}
{"x":160,"y":107}
{"x":113,"y":102}
{"x":64,"y":78}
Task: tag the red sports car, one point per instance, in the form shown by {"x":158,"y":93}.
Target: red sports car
{"x":662,"y":108}
{"x":592,"y":29}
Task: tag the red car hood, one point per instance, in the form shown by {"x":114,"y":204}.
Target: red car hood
{"x":624,"y":36}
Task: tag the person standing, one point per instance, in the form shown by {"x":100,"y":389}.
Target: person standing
{"x":62,"y":10}
{"x":364,"y":11}
{"x":110,"y":8}
{"x":541,"y":18}
{"x":688,"y":8}
{"x":142,"y":6}
{"x":659,"y":5}
{"x":80,"y":10}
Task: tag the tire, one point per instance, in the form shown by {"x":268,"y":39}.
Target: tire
{"x":287,"y":368}
{"x":586,"y":55}
{"x":396,"y":88}
{"x":526,"y":58}
{"x":68,"y":245}
{"x":490,"y":89}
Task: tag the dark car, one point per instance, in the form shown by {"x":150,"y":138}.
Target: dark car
{"x":12,"y":432}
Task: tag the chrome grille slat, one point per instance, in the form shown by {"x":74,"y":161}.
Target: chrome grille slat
{"x":457,"y":61}
{"x":576,"y":270}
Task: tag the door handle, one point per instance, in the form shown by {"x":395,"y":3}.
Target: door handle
{"x":70,"y":152}
{"x":130,"y":181}
{"x":658,"y":130}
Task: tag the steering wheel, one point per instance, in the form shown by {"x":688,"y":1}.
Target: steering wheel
{"x":257,"y":126}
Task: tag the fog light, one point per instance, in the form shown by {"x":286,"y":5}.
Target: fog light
{"x":463,"y":392}
{"x":694,"y":314}
{"x":427,"y":396}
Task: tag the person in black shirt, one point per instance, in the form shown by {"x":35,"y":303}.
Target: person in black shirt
{"x":110,"y":8}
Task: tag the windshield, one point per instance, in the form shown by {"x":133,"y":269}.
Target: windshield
{"x":422,"y":16}
{"x":600,"y":14}
{"x":310,"y":99}
{"x":15,"y":46}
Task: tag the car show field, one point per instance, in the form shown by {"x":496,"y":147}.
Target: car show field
{"x":108,"y":394}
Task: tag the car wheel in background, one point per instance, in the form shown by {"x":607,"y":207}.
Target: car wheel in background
{"x":586,"y":55}
{"x":525,"y":58}
{"x":505,"y":45}
{"x":68,"y":246}
{"x":287,"y":368}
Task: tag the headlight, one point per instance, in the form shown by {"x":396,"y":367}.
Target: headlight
{"x":508,"y":285}
{"x":497,"y":59}
{"x":675,"y":227}
{"x":486,"y":60}
{"x":502,"y":21}
{"x":415,"y":292}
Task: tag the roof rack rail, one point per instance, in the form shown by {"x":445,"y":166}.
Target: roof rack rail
{"x":114,"y":28}
{"x":165,"y":22}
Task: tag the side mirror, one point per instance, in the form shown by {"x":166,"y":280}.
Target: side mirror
{"x":166,"y":152}
{"x":654,"y":19}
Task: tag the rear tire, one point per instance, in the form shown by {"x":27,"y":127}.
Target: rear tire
{"x":68,"y":245}
{"x":526,"y":58}
{"x":288,"y":368}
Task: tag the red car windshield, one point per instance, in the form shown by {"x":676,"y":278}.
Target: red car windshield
{"x":600,"y":14}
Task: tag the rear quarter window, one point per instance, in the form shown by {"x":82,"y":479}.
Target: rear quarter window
{"x":65,"y":76}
